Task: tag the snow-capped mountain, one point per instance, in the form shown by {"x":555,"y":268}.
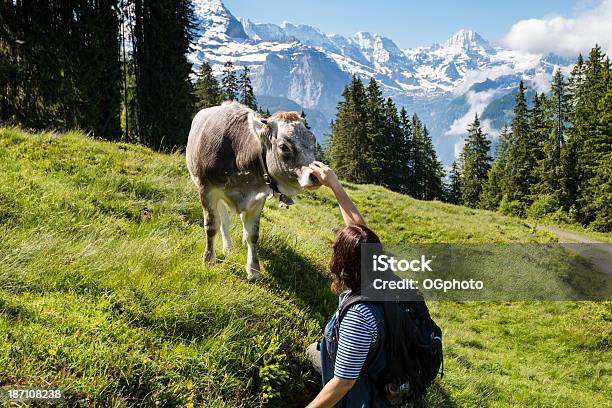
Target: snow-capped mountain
{"x":444,"y":83}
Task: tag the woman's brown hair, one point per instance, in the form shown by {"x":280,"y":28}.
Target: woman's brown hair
{"x":345,"y":264}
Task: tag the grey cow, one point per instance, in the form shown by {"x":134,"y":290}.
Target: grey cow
{"x":238,"y":159}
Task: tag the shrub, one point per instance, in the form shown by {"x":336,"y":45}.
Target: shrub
{"x":512,"y":207}
{"x":543,"y":205}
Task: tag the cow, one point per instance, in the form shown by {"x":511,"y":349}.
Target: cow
{"x":237,"y":159}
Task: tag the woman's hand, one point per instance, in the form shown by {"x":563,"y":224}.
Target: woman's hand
{"x":324,"y":174}
{"x":327,"y":177}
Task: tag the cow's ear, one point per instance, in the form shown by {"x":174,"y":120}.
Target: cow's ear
{"x":264,"y":129}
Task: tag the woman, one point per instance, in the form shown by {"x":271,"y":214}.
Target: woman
{"x":352,"y":359}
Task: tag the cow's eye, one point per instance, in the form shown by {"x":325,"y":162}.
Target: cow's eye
{"x":285,"y":148}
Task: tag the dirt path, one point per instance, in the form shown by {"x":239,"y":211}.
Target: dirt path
{"x":568,"y":236}
{"x":599,"y":254}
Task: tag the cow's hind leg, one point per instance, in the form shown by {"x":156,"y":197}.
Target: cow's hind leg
{"x":250,"y":222}
{"x":225,"y":228}
{"x":211,"y":224}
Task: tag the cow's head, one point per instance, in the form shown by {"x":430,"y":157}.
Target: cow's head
{"x":290,"y":148}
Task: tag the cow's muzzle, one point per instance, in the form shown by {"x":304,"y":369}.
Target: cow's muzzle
{"x":307,"y":179}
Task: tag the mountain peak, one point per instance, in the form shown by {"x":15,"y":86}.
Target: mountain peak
{"x":213,"y":17}
{"x":367,"y":40}
{"x":207,"y":7}
{"x":466,"y":40}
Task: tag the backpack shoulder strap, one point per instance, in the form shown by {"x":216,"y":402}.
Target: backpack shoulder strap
{"x":346,"y":303}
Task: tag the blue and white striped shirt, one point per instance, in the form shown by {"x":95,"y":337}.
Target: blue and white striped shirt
{"x":357,"y":333}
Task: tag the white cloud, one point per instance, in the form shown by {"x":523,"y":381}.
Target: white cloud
{"x":488,"y":128}
{"x":459,"y":148}
{"x":477,"y":101}
{"x":541,"y":81}
{"x":482,"y":74}
{"x":563,"y":35}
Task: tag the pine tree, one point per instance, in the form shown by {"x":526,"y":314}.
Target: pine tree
{"x":375,"y":150}
{"x":358,"y":129}
{"x":393,"y":162}
{"x":540,"y":128}
{"x":320,"y":153}
{"x":569,"y":177}
{"x":560,"y":111}
{"x":247,"y":96}
{"x":599,"y":188}
{"x":520,"y":163}
{"x":229,"y":83}
{"x":551,"y":169}
{"x":33,"y":61}
{"x":96,"y":68}
{"x":592,"y":142}
{"x":59,"y":65}
{"x":164,"y":92}
{"x":303,"y":115}
{"x":349,"y":136}
{"x":575,"y":83}
{"x":8,"y":63}
{"x":419,"y":159}
{"x":207,"y":91}
{"x":130,"y":123}
{"x":433,"y":188}
{"x":453,"y":195}
{"x":406,"y":152}
{"x":475,"y":164}
{"x":495,"y":186}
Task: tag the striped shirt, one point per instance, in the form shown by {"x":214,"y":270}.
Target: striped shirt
{"x":357,"y":333}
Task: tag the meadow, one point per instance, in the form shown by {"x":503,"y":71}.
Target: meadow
{"x":103,"y":293}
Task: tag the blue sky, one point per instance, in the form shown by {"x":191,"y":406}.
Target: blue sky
{"x":408,"y":23}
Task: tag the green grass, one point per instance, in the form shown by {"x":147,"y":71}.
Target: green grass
{"x":103,"y":294}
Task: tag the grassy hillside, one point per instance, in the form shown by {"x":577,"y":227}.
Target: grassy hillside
{"x":102,"y":291}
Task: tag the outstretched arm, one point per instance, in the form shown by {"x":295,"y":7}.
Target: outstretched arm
{"x":327,"y":177}
{"x":333,"y":392}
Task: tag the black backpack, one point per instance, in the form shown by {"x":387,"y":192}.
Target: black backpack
{"x":413,"y":343}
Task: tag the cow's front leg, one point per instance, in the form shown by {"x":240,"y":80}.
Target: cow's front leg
{"x":225,"y":228}
{"x":211,"y":225}
{"x":250,"y":222}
